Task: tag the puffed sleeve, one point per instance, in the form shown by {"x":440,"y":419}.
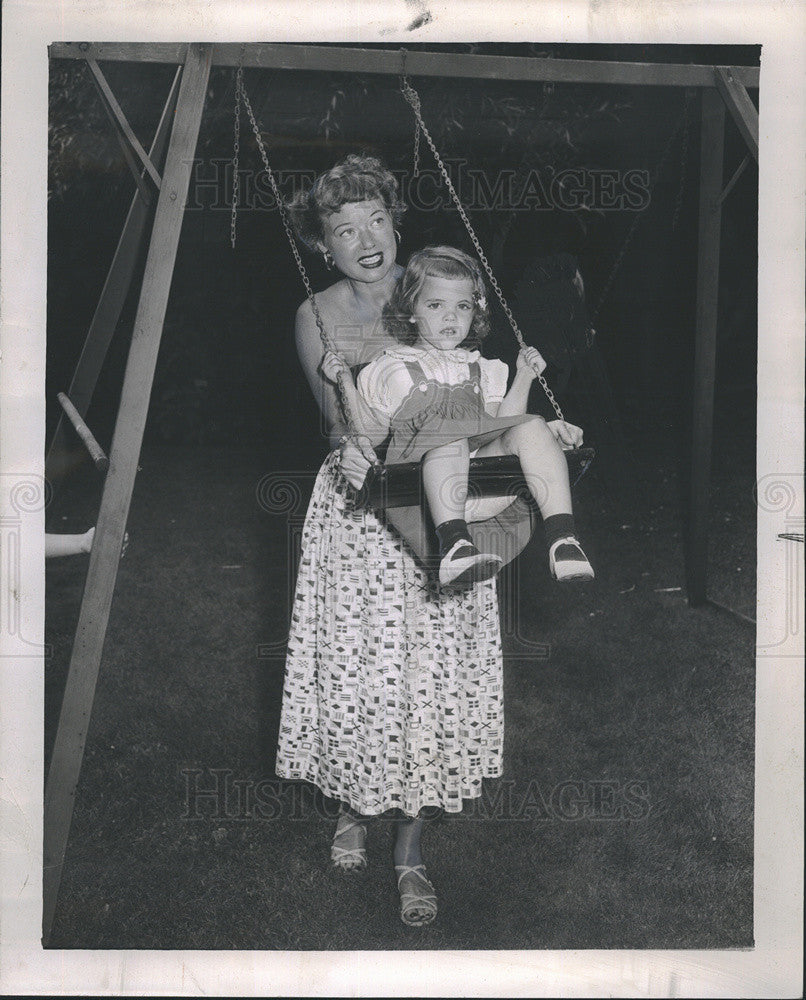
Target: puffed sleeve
{"x":494,"y":375}
{"x":384,"y":383}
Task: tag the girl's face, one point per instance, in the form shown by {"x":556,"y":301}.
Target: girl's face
{"x":444,"y":311}
{"x":361,"y":239}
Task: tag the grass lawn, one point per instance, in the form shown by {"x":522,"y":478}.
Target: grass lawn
{"x":625,"y":817}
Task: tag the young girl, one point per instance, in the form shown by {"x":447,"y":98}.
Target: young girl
{"x":441,"y":401}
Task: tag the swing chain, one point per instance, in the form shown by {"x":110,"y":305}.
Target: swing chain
{"x":403,"y":83}
{"x":352,"y":424}
{"x":683,"y":164}
{"x":413,"y":98}
{"x":236,"y":148}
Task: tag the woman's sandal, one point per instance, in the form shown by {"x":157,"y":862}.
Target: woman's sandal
{"x":348,"y":859}
{"x":411,"y":902}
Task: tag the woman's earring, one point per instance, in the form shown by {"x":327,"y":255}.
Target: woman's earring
{"x":412,"y":319}
{"x":328,"y":259}
{"x":397,"y":236}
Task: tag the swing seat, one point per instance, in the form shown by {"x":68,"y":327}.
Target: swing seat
{"x":400,"y":485}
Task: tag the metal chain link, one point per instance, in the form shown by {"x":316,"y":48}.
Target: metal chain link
{"x":416,"y":166}
{"x":236,"y":150}
{"x":683,"y":164}
{"x":413,"y":98}
{"x":416,"y":170}
{"x":354,"y":427}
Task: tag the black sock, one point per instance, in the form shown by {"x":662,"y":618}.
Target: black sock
{"x":450,"y":532}
{"x":559,"y":526}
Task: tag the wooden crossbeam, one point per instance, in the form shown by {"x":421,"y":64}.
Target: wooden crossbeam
{"x":93,"y":618}
{"x":113,"y":296}
{"x":712,"y":138}
{"x":738,"y":102}
{"x":129,"y":142}
{"x":333,"y":58}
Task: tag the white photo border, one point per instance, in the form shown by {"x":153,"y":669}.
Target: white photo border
{"x":774,"y":966}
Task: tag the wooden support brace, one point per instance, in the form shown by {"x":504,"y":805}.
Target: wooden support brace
{"x":92,"y":446}
{"x":738,"y":102}
{"x":79,"y":692}
{"x":712,"y":135}
{"x":731,"y":183}
{"x":110,"y":304}
{"x":128,"y":140}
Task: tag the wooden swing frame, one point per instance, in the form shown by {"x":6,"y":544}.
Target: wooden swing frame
{"x":162,"y":180}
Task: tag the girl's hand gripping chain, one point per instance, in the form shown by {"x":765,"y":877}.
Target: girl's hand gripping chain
{"x":530,"y":362}
{"x":568,"y":436}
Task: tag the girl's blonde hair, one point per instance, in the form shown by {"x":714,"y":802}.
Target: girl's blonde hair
{"x":435,"y":262}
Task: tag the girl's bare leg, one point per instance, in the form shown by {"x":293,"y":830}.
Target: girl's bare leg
{"x":544,"y":466}
{"x":445,"y":471}
{"x":546,"y":474}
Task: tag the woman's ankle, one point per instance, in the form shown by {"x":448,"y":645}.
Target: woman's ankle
{"x":407,"y":849}
{"x":408,"y":857}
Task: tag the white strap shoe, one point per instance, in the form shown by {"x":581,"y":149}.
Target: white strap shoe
{"x":463,"y":565}
{"x":567,"y":561}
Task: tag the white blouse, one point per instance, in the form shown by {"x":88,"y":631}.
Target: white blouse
{"x":385,"y":382}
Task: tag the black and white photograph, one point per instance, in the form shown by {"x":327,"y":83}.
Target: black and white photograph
{"x":419,"y":509}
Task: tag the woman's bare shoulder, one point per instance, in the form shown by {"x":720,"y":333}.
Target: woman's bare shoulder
{"x":332,"y":297}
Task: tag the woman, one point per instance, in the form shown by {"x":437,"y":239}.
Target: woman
{"x":393,"y":688}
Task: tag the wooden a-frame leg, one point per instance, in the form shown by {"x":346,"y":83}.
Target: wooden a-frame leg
{"x":711,"y":152}
{"x":110,"y":304}
{"x":74,"y":719}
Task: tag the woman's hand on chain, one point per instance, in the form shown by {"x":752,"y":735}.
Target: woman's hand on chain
{"x":568,"y":436}
{"x":357,"y":455}
{"x":530,"y":362}
{"x":331,"y":365}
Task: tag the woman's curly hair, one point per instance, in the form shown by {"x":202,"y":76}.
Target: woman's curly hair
{"x":358,"y":177}
{"x":436,"y":262}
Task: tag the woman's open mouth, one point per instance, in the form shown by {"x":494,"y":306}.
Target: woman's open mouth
{"x":371,"y":260}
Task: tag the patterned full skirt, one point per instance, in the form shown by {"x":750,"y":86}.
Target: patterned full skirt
{"x":393,"y":688}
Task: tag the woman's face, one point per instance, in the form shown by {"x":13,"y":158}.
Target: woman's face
{"x":361,"y":240}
